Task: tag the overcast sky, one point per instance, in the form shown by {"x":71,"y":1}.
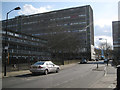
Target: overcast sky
{"x":104,"y":12}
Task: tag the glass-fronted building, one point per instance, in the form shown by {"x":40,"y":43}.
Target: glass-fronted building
{"x":69,"y":32}
{"x":116,"y":40}
{"x":22,"y":50}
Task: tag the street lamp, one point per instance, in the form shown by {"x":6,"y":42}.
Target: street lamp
{"x":6,"y":38}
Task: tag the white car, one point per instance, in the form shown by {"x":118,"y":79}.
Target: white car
{"x":44,"y":67}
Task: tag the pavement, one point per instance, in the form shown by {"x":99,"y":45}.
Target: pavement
{"x":107,"y":81}
{"x":109,"y":78}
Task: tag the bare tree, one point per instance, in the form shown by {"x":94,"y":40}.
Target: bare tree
{"x":103,"y":46}
{"x":107,"y":49}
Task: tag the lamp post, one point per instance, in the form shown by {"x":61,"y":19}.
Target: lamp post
{"x":6,"y":38}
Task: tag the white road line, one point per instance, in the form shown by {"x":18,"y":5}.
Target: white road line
{"x":105,"y":71}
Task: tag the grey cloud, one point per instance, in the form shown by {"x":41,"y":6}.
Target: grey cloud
{"x":103,"y":31}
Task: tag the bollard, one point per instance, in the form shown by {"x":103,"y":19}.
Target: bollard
{"x":107,"y":62}
{"x":97,"y":64}
{"x":118,"y":77}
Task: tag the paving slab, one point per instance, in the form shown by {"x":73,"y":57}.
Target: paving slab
{"x":109,"y":79}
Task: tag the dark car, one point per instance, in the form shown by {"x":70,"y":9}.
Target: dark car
{"x":97,"y":59}
{"x":83,"y":61}
{"x":105,"y":60}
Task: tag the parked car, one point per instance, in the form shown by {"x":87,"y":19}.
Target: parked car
{"x":105,"y":60}
{"x":44,"y":67}
{"x":97,"y":59}
{"x":83,"y":61}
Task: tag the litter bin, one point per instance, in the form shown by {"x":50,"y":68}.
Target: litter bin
{"x":118,"y":77}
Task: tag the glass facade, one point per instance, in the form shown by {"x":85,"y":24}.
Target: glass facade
{"x":69,"y":32}
{"x":23,"y":47}
{"x":116,"y":40}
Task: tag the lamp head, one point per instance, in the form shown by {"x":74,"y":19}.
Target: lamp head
{"x":17,"y":8}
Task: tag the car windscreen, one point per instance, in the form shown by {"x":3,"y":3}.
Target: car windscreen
{"x":39,"y":63}
{"x":83,"y":59}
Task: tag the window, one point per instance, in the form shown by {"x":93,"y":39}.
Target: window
{"x":81,"y":15}
{"x":17,"y":35}
{"x":50,"y":63}
{"x":47,"y":64}
{"x":39,"y":63}
{"x":9,"y":33}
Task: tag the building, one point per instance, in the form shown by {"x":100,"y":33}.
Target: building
{"x":116,"y":40}
{"x":69,"y":32}
{"x":23,"y":49}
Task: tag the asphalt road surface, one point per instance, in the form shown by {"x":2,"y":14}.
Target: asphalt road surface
{"x":77,"y":76}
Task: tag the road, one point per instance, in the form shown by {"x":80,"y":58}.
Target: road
{"x":77,"y":76}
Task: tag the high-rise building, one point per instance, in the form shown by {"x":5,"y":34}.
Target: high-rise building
{"x":69,"y":32}
{"x":116,"y":40}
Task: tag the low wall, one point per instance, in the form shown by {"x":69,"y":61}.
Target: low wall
{"x":26,"y":66}
{"x":71,"y":61}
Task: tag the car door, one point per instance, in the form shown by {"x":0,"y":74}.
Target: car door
{"x":52,"y":67}
{"x":49,"y":66}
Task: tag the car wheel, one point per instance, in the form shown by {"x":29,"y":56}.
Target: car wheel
{"x":46,"y":72}
{"x":57,"y":70}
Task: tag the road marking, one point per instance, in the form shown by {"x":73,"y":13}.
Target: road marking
{"x":105,"y":71}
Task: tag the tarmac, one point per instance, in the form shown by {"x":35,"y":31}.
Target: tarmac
{"x":107,"y":81}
